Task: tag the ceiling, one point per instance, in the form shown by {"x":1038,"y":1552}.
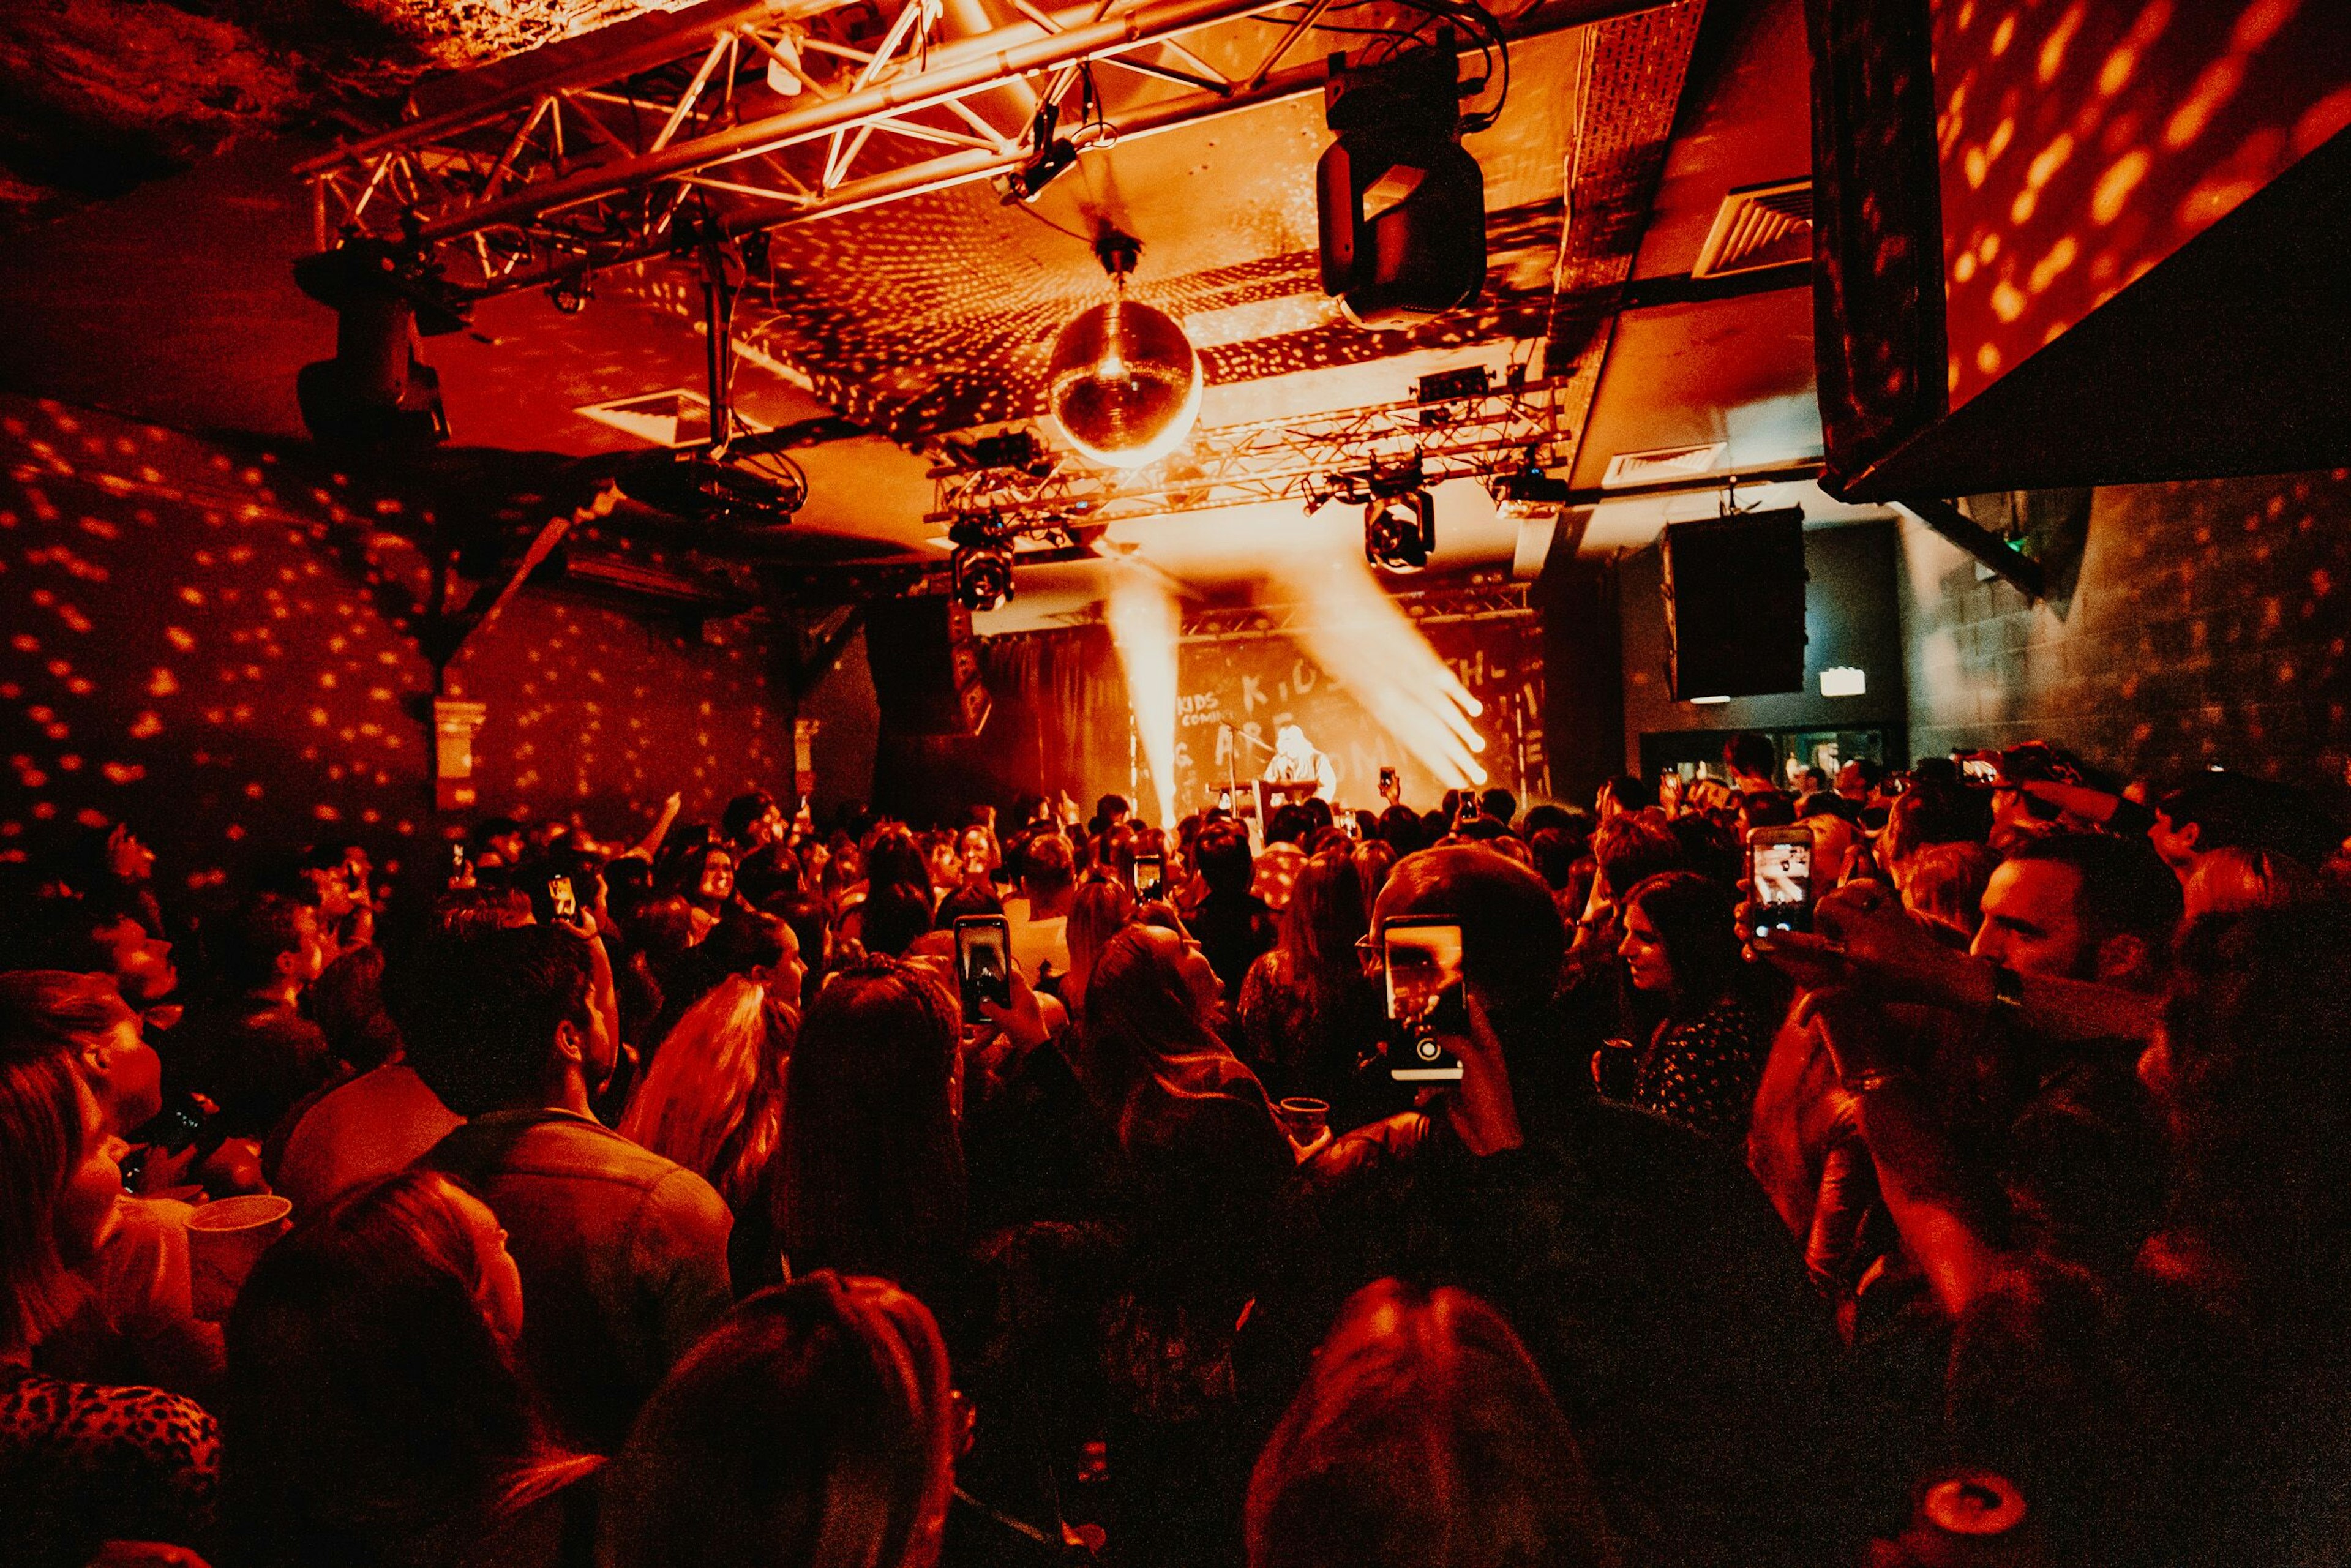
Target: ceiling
{"x":149,"y":268}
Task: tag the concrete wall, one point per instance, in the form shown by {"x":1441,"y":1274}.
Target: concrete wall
{"x":2207,"y":626}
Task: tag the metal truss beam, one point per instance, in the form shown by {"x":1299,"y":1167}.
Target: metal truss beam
{"x":1274,"y":460}
{"x":587,"y":158}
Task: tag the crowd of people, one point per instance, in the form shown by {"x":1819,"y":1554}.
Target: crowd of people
{"x":684,"y":1202}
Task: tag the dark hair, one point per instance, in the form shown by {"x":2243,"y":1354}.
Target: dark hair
{"x":1139,"y":1015}
{"x":1933,"y":814}
{"x":895,"y":857}
{"x":2126,"y":890}
{"x":971,"y":898}
{"x":2232,"y":811}
{"x":814,"y":1428}
{"x":1512,"y":939}
{"x":1224,"y":859}
{"x":1499,"y":805}
{"x":1753,"y":753}
{"x":892,"y":915}
{"x":1400,"y":829}
{"x":1108,"y":804}
{"x":1424,"y":1437}
{"x":1630,"y":791}
{"x":1766,"y":808}
{"x":1555,"y":854}
{"x":735,"y":823}
{"x":1693,"y":915}
{"x":1287,"y":824}
{"x":479,"y":1013}
{"x":2258,"y":1028}
{"x":251,"y":940}
{"x":1327,"y":913}
{"x":347,"y":1004}
{"x":873,"y":1169}
{"x":743,"y":941}
{"x":1633,"y":846}
{"x":1548,"y":815}
{"x":371,"y":1408}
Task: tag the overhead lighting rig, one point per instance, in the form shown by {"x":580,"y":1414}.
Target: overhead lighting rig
{"x":981,"y":570}
{"x":1399,"y":514}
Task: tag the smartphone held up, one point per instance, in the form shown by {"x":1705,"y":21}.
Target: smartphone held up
{"x":1780,"y":881}
{"x":1425,"y":1002}
{"x":983,"y":963}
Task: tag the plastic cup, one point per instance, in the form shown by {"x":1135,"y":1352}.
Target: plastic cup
{"x":225,"y":1240}
{"x":1303,"y":1118}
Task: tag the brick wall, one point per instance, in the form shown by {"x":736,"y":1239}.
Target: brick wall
{"x":2207,"y":626}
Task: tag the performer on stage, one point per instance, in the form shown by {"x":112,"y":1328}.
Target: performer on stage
{"x":1295,"y":762}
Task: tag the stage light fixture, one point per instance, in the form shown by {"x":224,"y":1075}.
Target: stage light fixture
{"x":1529,"y":493}
{"x":375,"y":393}
{"x":981,"y":569}
{"x":1123,"y":383}
{"x":1400,"y":207}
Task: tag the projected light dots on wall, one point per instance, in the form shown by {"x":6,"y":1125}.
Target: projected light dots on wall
{"x":2083,"y":140}
{"x":219,"y":651}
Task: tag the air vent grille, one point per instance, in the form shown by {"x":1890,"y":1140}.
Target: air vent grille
{"x":1759,"y":225}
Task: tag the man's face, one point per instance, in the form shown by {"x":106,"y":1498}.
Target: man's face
{"x":2032,"y":921}
{"x":1849,"y":782}
{"x":142,"y":964}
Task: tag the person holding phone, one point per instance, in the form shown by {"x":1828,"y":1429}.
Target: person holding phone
{"x":1706,"y":1057}
{"x":1658,"y":1294}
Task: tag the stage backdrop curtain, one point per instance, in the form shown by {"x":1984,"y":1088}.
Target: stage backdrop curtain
{"x":1059,"y":720}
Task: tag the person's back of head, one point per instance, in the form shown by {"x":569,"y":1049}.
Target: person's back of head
{"x":1945,"y":882}
{"x":874,"y":1168}
{"x":1512,"y":938}
{"x":1225,"y":863}
{"x":1628,"y":792}
{"x":373,"y":1401}
{"x":895,"y":857}
{"x":2219,"y":810}
{"x":1633,"y":846}
{"x":1327,"y":914}
{"x":1555,"y":854}
{"x":712,"y":1099}
{"x":1047,"y":867}
{"x":1498,"y":806}
{"x":2237,"y":881}
{"x":892,"y":915}
{"x":1752,"y":755}
{"x":1932,"y":812}
{"x":2258,"y":1083}
{"x":481,"y":1014}
{"x":971,"y":899}
{"x":1424,"y":1437}
{"x":1766,"y":808}
{"x":814,"y":1428}
{"x":1400,"y":829}
{"x":1100,"y":911}
{"x":1286,"y":825}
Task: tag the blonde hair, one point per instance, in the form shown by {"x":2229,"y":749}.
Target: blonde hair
{"x":713,"y":1099}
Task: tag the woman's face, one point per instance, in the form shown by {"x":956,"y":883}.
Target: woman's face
{"x":946,"y":866}
{"x":1644,"y":952}
{"x":87,"y":1210}
{"x":499,"y":1293}
{"x":717,"y":877}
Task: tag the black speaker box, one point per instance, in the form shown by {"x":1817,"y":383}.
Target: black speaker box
{"x":926,"y":666}
{"x":1735,"y":605}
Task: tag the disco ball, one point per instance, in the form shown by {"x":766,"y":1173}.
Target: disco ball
{"x":1125,"y":384}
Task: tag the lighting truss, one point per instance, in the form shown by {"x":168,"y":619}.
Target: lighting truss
{"x":595,"y":152}
{"x":1479,"y":596}
{"x":1470,"y":436}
